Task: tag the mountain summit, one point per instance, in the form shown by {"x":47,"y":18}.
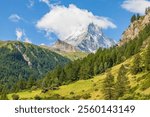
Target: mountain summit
{"x":90,"y":39}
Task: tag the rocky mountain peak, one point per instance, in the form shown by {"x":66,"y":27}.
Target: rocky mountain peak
{"x":90,"y":39}
{"x":94,"y":29}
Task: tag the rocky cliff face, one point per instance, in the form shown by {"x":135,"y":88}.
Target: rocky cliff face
{"x":134,"y":29}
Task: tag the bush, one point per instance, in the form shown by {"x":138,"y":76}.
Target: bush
{"x":86,"y":96}
{"x":37,"y":97}
{"x":96,"y":89}
{"x":44,"y":90}
{"x":97,"y":95}
{"x":77,"y":97}
{"x":34,"y":88}
{"x":72,"y":93}
{"x":94,"y":84}
{"x":15,"y":97}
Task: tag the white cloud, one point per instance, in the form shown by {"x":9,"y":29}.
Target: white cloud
{"x":27,"y":40}
{"x":14,"y":18}
{"x":46,"y":2}
{"x":19,"y":34}
{"x":31,"y":3}
{"x":42,"y":44}
{"x":136,"y":6}
{"x":64,"y":21}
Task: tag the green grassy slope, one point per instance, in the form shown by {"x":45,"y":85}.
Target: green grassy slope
{"x":73,"y":55}
{"x":89,"y":89}
{"x":70,"y":55}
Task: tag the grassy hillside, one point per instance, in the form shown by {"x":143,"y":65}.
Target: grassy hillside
{"x":70,"y":55}
{"x":73,"y":55}
{"x":92,"y":88}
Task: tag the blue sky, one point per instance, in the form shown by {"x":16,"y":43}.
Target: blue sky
{"x":19,"y":18}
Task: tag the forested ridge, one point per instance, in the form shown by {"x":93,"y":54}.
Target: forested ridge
{"x":22,"y":64}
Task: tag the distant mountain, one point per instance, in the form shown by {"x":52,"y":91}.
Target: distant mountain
{"x":66,"y":50}
{"x":90,"y":39}
{"x":18,"y":59}
{"x":63,"y":46}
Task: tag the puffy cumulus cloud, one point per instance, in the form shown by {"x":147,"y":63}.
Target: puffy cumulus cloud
{"x":64,"y":21}
{"x":19,"y":34}
{"x":136,"y":6}
{"x":14,"y":18}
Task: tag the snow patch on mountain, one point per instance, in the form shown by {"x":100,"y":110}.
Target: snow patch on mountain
{"x":90,"y":39}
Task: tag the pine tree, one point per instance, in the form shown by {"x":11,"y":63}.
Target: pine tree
{"x":4,"y":94}
{"x":108,"y":87}
{"x":133,"y":18}
{"x":21,"y":84}
{"x":136,"y":68}
{"x":62,"y":76}
{"x":30,"y":82}
{"x":147,"y":59}
{"x":138,"y":16}
{"x":122,"y":84}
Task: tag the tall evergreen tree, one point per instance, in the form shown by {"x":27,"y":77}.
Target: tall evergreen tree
{"x":133,"y":18}
{"x":122,"y":84}
{"x":147,"y":59}
{"x":4,"y":95}
{"x":108,"y":87}
{"x":136,"y":68}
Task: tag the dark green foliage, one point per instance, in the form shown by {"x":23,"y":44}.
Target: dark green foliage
{"x":147,"y":59}
{"x":71,"y":93}
{"x":21,"y":61}
{"x":108,"y":87}
{"x":37,"y":97}
{"x":122,"y":84}
{"x":15,"y":97}
{"x":3,"y":95}
{"x":31,"y":82}
{"x":135,"y":17}
{"x":137,"y":67}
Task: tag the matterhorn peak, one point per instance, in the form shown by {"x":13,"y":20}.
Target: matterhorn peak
{"x":90,"y":39}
